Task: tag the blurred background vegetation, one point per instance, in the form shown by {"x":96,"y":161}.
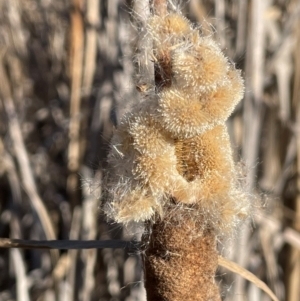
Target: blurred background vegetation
{"x":66,"y":74}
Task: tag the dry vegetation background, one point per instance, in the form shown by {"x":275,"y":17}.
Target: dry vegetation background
{"x":65,"y":80}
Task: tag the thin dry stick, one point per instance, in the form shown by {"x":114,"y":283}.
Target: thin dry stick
{"x":287,"y":235}
{"x":68,"y":294}
{"x":198,"y":9}
{"x":21,"y":279}
{"x":8,"y":243}
{"x":293,"y":271}
{"x":220,"y":21}
{"x":254,"y":82}
{"x":284,"y":68}
{"x":246,"y":275}
{"x":269,"y":253}
{"x":23,"y":160}
{"x":253,"y":116}
{"x":287,"y":170}
{"x":18,"y":33}
{"x":89,"y":230}
{"x":241,"y":27}
{"x":22,"y":288}
{"x":77,"y":48}
{"x":19,"y":262}
{"x":271,"y":154}
{"x":12,"y":175}
{"x":162,"y":64}
{"x":90,"y":52}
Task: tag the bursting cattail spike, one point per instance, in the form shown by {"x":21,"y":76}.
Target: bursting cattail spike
{"x":171,"y":161}
{"x":145,"y":152}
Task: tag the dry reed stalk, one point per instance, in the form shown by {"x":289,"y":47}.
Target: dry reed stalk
{"x":89,"y":230}
{"x":241,"y":27}
{"x":76,"y":67}
{"x":23,"y":161}
{"x":90,"y":50}
{"x":220,"y":22}
{"x":19,"y":263}
{"x":293,"y":262}
{"x":199,"y":10}
{"x":70,"y":292}
{"x":22,"y":281}
{"x":269,"y":253}
{"x":8,"y":243}
{"x":223,"y":262}
{"x":253,"y":113}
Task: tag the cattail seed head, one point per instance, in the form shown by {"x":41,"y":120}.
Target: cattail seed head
{"x":200,"y":68}
{"x":170,"y":28}
{"x":147,"y":135}
{"x":219,"y":104}
{"x":182,"y":116}
{"x":173,"y":147}
{"x":135,"y":206}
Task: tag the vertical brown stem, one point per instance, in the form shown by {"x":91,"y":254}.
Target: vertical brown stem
{"x":74,"y":155}
{"x":293,"y":260}
{"x":179,"y":263}
{"x":159,"y":7}
{"x":162,"y":66}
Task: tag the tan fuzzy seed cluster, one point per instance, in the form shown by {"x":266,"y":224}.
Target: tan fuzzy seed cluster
{"x":202,"y":66}
{"x":174,"y":146}
{"x":171,"y":27}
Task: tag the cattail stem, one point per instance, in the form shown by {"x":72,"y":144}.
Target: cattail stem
{"x":162,"y":65}
{"x":179,"y":263}
{"x":159,"y":7}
